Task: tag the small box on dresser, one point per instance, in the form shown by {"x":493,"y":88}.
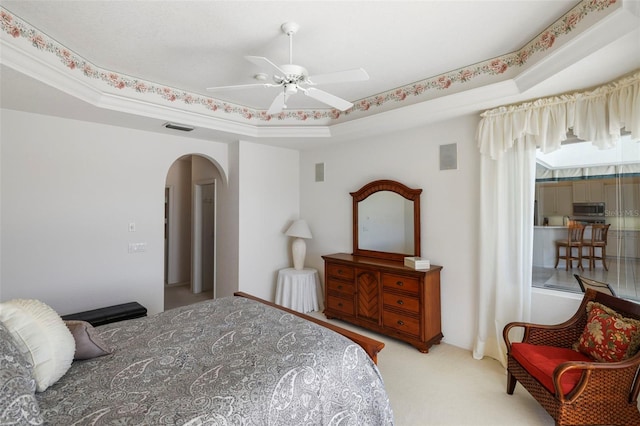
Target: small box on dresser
{"x":417,"y":262}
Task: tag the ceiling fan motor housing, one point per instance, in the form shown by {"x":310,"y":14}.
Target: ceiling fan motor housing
{"x":294,"y":74}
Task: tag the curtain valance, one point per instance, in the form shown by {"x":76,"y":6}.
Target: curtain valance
{"x":596,"y":115}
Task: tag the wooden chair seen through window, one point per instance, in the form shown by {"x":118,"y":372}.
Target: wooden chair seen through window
{"x":597,"y":241}
{"x":572,"y":246}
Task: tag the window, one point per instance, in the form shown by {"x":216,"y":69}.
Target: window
{"x":581,"y":173}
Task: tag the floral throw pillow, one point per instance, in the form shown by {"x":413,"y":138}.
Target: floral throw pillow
{"x":608,"y":337}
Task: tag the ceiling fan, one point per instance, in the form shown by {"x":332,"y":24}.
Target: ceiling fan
{"x":294,"y":78}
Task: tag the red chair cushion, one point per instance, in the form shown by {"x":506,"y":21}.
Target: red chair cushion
{"x":540,"y":361}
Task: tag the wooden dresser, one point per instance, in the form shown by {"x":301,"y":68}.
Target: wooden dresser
{"x":385,"y":296}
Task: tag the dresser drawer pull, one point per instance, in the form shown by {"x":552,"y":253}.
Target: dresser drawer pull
{"x":400,"y":302}
{"x":339,"y":271}
{"x":400,"y":283}
{"x":339,"y":287}
{"x":340,"y":304}
{"x":400,"y":322}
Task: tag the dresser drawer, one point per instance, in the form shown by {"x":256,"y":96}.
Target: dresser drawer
{"x":340,"y":271}
{"x":407,"y":303}
{"x":340,"y":286}
{"x":339,"y":304}
{"x":401,"y":282}
{"x":401,"y":323}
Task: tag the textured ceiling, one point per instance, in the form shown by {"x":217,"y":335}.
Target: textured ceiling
{"x":192,"y":45}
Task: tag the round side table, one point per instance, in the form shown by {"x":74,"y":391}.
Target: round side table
{"x":299,"y":290}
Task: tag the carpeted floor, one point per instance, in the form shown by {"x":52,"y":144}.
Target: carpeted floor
{"x":448,"y":386}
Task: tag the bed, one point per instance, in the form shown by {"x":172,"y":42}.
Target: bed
{"x":228,"y":361}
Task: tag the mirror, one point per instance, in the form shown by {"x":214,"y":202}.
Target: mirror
{"x":386,"y":220}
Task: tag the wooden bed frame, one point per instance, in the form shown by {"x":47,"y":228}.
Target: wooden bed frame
{"x":371,"y":346}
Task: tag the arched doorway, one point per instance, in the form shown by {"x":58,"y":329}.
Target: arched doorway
{"x":190,"y":236}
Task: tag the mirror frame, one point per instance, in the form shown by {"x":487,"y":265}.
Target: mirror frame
{"x":403,"y":190}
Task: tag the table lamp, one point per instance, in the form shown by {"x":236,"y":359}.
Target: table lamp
{"x":300,"y":230}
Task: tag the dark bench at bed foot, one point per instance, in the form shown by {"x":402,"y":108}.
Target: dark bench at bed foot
{"x":109,"y":314}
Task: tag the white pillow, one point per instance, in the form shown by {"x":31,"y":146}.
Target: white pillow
{"x":42,"y":336}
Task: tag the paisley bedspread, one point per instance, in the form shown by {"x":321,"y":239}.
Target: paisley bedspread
{"x":228,"y":361}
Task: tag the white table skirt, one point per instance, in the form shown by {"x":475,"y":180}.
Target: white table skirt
{"x":299,"y":290}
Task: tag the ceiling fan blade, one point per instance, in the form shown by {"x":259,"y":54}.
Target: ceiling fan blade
{"x":328,"y":98}
{"x":261,"y":61}
{"x":278,"y":104}
{"x":242,"y":86}
{"x":357,"y":74}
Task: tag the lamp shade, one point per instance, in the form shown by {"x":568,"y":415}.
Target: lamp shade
{"x":299,"y":229}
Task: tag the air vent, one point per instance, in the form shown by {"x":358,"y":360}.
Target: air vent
{"x":180,"y":127}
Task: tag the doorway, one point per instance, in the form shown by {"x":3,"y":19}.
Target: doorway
{"x":190,"y":231}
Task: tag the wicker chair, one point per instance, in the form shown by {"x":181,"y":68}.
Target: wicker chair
{"x":600,"y":392}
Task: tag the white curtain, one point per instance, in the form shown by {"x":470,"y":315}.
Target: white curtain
{"x":507,"y":139}
{"x":506,"y":245}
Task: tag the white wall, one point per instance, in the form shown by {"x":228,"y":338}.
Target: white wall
{"x":269,"y":201}
{"x":227,"y":227}
{"x":69,"y":191}
{"x":449,"y":205}
{"x":553,"y":307}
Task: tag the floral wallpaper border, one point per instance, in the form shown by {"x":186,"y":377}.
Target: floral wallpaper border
{"x":16,"y":28}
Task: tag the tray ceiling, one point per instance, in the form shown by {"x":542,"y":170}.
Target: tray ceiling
{"x":155,"y":59}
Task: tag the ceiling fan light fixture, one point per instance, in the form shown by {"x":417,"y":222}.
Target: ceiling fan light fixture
{"x":290,"y":89}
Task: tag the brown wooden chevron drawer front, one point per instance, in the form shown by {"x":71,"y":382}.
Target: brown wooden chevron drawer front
{"x":385,"y":296}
